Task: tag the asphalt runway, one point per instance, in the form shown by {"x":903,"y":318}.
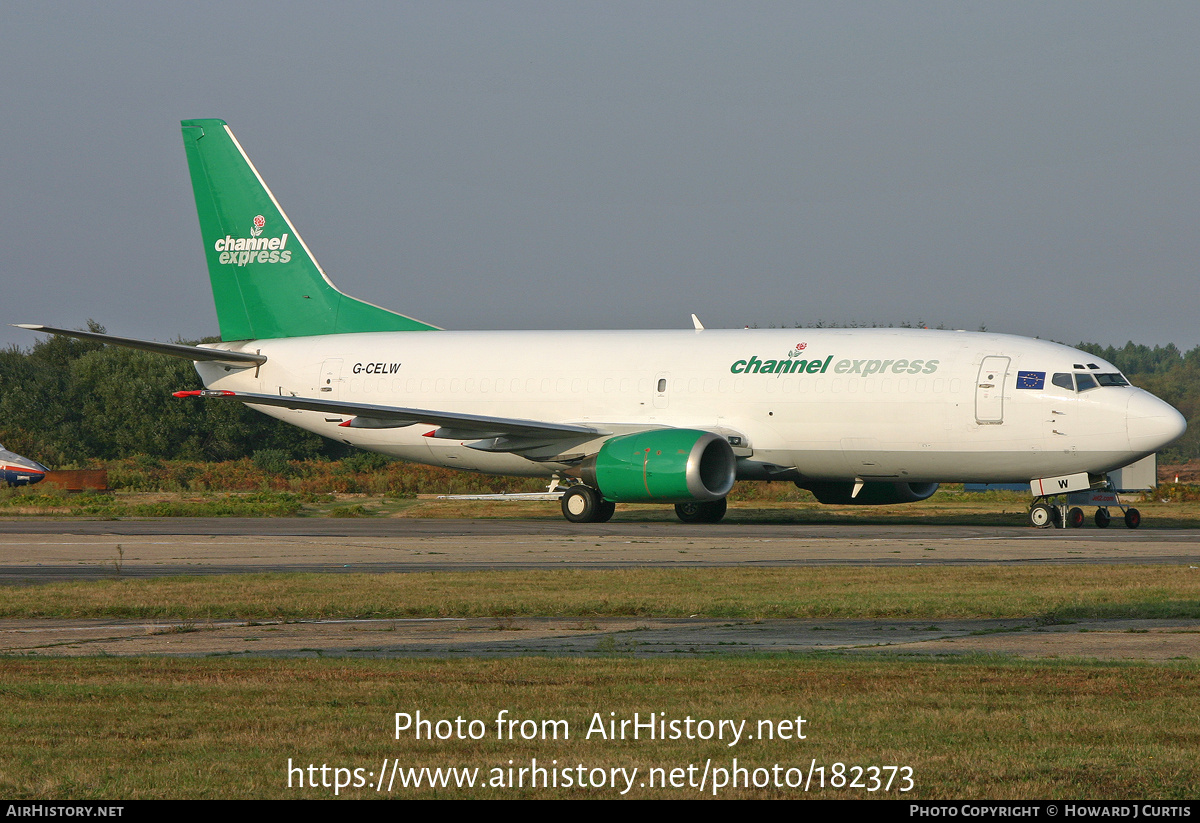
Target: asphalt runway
{"x":33,"y":551}
{"x":40,"y":550}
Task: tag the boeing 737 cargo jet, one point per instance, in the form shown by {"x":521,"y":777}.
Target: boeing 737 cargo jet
{"x":856,"y":416}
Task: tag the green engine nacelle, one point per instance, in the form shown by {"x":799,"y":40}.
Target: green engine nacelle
{"x":662,"y":466}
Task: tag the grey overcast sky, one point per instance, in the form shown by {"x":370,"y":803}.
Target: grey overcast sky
{"x":1029,"y":167}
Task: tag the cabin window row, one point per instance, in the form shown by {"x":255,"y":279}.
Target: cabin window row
{"x":487,"y":385}
{"x":643,"y":386}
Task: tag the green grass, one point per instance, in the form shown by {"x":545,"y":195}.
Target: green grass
{"x":1045,"y":593}
{"x":751,"y":503}
{"x":370,"y":484}
{"x":163,"y":728}
{"x":19,"y":502}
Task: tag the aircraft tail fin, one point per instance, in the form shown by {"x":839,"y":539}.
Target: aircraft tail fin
{"x":265,"y":281}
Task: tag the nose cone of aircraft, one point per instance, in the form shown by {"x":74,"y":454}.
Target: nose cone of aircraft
{"x":1151,"y":423}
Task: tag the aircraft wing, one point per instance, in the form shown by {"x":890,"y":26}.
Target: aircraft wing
{"x":452,"y":425}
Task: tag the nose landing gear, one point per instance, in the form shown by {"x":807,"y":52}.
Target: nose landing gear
{"x":1043,"y":515}
{"x":1051,"y":510}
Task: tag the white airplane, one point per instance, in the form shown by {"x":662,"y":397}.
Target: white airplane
{"x":855,"y":415}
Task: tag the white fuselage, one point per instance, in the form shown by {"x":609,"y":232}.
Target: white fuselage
{"x":908,"y":404}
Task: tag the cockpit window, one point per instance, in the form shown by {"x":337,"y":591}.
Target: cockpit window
{"x":1086,"y":382}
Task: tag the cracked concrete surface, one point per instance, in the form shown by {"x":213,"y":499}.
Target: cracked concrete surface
{"x":638,"y":637}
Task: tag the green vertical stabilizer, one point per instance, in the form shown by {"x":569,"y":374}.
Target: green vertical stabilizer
{"x":265,"y":281}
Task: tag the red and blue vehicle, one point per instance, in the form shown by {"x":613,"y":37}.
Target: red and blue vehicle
{"x":18,"y":470}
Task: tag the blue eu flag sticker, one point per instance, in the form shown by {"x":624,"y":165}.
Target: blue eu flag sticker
{"x":1031,"y":379}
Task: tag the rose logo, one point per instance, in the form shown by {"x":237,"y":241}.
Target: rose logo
{"x":259,"y":222}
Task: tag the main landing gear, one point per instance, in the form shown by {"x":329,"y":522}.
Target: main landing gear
{"x":1052,"y":510}
{"x":701,"y":512}
{"x":583,"y":504}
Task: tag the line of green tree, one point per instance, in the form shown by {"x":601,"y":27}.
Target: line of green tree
{"x":73,"y":403}
{"x":70,"y":402}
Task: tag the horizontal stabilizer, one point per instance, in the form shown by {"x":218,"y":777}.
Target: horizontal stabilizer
{"x":193,"y":353}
